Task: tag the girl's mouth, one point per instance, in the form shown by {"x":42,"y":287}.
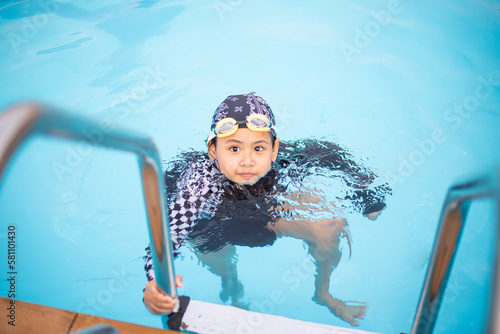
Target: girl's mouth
{"x":247,"y":175}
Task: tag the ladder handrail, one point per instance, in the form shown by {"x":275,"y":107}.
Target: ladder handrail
{"x":21,"y":121}
{"x":450,"y":227}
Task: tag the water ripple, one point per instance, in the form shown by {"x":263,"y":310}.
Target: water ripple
{"x":72,"y":45}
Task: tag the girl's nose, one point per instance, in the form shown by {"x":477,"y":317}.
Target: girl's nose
{"x":247,"y":160}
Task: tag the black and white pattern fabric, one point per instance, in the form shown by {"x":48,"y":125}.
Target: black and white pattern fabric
{"x":148,"y":264}
{"x":199,"y":192}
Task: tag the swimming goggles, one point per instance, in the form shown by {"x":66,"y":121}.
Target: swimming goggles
{"x":255,"y":122}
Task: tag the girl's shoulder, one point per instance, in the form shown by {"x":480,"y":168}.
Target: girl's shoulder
{"x":201,"y":170}
{"x":201,"y":178}
{"x":190,"y":169}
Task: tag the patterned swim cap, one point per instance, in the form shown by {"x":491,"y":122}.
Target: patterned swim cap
{"x":240,"y":107}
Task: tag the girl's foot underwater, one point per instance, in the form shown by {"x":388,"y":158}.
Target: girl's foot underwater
{"x":341,"y":309}
{"x":233,"y":289}
{"x":373,"y":212}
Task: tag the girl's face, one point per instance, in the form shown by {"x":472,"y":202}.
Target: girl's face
{"x":245,"y":156}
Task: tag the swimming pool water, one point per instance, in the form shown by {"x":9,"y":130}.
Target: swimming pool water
{"x":410,"y":88}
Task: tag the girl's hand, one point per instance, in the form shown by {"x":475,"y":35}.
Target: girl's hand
{"x":157,"y":301}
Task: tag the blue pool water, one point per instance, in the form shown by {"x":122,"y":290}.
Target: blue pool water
{"x":410,"y":88}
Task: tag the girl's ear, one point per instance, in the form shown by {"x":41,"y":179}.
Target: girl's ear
{"x":275,"y":148}
{"x":211,"y":150}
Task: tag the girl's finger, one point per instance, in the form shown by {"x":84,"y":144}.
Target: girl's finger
{"x":178,"y":281}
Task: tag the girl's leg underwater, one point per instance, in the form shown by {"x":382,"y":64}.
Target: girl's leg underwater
{"x":326,"y":261}
{"x":223,"y":264}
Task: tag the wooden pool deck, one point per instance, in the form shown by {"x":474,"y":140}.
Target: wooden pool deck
{"x":38,"y":319}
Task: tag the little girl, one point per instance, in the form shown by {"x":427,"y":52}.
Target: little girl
{"x":240,"y":195}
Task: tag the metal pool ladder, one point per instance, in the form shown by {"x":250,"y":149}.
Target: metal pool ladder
{"x":21,"y":121}
{"x":451,"y":224}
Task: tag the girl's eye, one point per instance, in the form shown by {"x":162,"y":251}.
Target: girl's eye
{"x":234,"y":149}
{"x":259,"y":149}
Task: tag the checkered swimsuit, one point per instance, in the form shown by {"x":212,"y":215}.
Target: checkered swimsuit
{"x":199,"y":192}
